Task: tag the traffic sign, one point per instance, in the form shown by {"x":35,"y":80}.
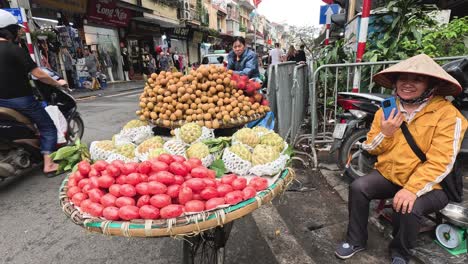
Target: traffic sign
{"x":16,"y":12}
{"x":328,"y":10}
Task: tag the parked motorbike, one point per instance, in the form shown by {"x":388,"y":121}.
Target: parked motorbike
{"x":352,"y":127}
{"x":356,"y":120}
{"x":19,"y":137}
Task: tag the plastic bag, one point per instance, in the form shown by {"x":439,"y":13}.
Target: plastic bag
{"x":59,"y":121}
{"x":267,"y":121}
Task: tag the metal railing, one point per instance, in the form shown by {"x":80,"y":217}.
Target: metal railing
{"x":292,"y":88}
{"x":328,"y":80}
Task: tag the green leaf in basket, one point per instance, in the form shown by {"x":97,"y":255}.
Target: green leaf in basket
{"x":218,"y":167}
{"x":52,"y":156}
{"x":65,"y":152}
{"x":68,"y":167}
{"x":62,"y":165}
{"x":75,"y":158}
{"x":75,"y":168}
{"x":78,"y":142}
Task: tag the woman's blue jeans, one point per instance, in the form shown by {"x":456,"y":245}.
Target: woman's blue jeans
{"x":33,"y":109}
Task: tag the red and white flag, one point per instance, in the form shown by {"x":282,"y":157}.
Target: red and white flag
{"x":257,"y":2}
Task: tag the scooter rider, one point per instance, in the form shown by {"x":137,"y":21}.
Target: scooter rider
{"x":15,"y":91}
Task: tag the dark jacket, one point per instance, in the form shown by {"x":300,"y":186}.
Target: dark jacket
{"x":247,"y":65}
{"x":300,"y":56}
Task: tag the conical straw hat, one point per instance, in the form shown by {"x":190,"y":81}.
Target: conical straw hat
{"x":420,"y":64}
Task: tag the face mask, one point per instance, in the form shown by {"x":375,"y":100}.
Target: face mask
{"x":420,"y":100}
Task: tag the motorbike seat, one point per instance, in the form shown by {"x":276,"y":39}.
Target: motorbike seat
{"x":12,"y":115}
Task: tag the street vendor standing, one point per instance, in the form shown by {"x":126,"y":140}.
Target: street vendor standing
{"x":437,"y":128}
{"x":243,"y":61}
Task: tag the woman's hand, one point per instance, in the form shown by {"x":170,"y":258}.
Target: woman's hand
{"x":392,"y":124}
{"x":403,"y":201}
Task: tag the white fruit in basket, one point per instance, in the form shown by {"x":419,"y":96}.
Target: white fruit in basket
{"x":242,"y":151}
{"x":135,"y":123}
{"x":190,"y":132}
{"x":261,"y":130}
{"x":263,"y":154}
{"x":149,"y":144}
{"x":247,"y":136}
{"x":198,"y":150}
{"x":274,"y":140}
{"x":154,"y":153}
{"x":105,"y":145}
{"x":126,"y":150}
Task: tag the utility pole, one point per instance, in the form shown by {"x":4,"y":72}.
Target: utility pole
{"x":366,"y":6}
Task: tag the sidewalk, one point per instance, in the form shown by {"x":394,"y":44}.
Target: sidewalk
{"x":112,"y":88}
{"x":316,"y":217}
{"x":426,"y":251}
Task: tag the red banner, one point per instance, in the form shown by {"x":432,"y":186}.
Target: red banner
{"x":257,"y":2}
{"x":107,"y":12}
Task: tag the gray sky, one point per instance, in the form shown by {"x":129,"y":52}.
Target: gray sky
{"x":293,"y":12}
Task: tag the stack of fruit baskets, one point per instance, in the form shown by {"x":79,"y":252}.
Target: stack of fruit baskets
{"x":182,"y":185}
{"x":210,"y":96}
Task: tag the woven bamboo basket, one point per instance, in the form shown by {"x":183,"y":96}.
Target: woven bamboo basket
{"x":239,"y":121}
{"x":182,"y":226}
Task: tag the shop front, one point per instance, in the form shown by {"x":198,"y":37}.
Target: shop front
{"x":142,"y":40}
{"x":104,"y":21}
{"x":58,"y":35}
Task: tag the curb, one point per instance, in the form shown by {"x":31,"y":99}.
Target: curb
{"x":103,"y":92}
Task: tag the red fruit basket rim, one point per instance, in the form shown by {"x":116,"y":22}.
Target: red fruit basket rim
{"x":181,"y":226}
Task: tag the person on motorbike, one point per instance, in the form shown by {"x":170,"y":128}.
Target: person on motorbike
{"x":17,"y":94}
{"x":243,"y":61}
{"x":438,"y":128}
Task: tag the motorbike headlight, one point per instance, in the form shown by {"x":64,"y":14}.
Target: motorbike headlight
{"x":358,"y":113}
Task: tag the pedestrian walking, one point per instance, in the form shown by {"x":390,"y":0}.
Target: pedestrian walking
{"x":92,"y":64}
{"x":291,"y":55}
{"x":300,"y":55}
{"x":163,"y":61}
{"x":276,"y":55}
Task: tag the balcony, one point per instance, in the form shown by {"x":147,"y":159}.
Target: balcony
{"x":191,"y":17}
{"x":246,"y":4}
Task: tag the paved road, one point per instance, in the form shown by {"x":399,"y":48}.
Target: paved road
{"x":33,"y":228}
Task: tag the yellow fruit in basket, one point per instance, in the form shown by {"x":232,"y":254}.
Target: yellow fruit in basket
{"x":190,"y":132}
{"x":274,"y":140}
{"x":105,"y":145}
{"x":263,"y":154}
{"x":135,"y":123}
{"x":154,"y":153}
{"x":242,"y":151}
{"x":198,"y":150}
{"x":126,"y":150}
{"x":261,"y":130}
{"x":247,"y":136}
{"x":151,"y":143}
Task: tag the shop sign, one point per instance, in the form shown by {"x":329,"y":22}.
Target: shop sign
{"x":75,"y":6}
{"x":107,"y":12}
{"x":181,"y":33}
{"x":139,"y":28}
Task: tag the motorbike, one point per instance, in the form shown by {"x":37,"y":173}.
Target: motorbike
{"x":19,"y":137}
{"x":358,"y":113}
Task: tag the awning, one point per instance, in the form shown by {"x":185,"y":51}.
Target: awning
{"x":161,"y":21}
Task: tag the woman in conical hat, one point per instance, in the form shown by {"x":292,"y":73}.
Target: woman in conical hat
{"x":437,"y":127}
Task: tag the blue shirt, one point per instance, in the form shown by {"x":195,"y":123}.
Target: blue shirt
{"x":247,"y":65}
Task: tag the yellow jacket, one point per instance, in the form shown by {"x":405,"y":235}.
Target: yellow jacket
{"x":438,"y":129}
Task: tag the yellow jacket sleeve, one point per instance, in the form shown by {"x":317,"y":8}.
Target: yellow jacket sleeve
{"x":376,"y":142}
{"x":441,"y":155}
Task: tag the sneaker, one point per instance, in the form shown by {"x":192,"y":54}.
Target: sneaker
{"x":398,"y":260}
{"x":345,"y":250}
